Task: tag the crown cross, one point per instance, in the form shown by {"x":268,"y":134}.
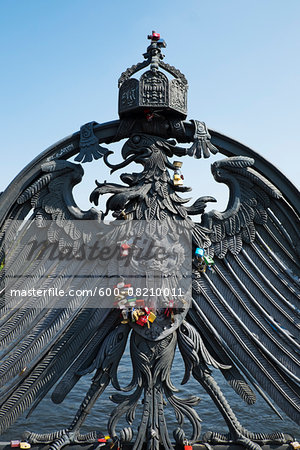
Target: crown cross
{"x":154,"y":54}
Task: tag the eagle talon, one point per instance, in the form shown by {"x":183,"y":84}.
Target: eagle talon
{"x":61,"y":438}
{"x":218,"y":438}
{"x":47,"y":438}
{"x":251,"y":441}
{"x":247,"y":443}
{"x":61,"y":442}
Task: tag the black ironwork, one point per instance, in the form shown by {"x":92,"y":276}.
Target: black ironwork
{"x":154,"y":92}
{"x":240,"y":315}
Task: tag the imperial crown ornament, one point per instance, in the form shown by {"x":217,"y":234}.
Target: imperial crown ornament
{"x":153,"y":93}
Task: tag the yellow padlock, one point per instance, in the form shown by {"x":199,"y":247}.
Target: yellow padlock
{"x":135,"y":315}
{"x":151,"y":317}
{"x":24,"y":445}
{"x":295,"y":444}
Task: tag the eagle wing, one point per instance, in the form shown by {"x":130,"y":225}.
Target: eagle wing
{"x":247,"y":308}
{"x":45,"y":336}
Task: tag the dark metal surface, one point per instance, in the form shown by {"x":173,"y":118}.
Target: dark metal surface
{"x":240,"y":317}
{"x":6,"y":446}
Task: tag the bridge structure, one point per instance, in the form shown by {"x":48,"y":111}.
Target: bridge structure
{"x":221,"y":286}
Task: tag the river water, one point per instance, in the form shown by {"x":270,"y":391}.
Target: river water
{"x":50,"y":417}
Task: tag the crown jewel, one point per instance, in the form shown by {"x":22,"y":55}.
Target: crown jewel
{"x":153,"y":92}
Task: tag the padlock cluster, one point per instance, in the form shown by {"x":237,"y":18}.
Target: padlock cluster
{"x":102,"y":441}
{"x":132,"y":308}
{"x":20,"y":444}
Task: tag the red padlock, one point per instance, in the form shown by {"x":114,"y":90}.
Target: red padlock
{"x":154,"y":36}
{"x":147,"y":310}
{"x":140,"y":303}
{"x":124,"y":250}
{"x":142,"y":320}
{"x":186,"y":445}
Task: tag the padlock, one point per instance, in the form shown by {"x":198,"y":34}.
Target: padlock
{"x":177,"y":180}
{"x":154,"y":36}
{"x":202,"y":268}
{"x":122,"y":303}
{"x":208,"y":260}
{"x":149,"y":116}
{"x":151,"y":317}
{"x":142,"y":320}
{"x":295,"y":445}
{"x":187,"y":446}
{"x":15,"y":443}
{"x":24,"y":445}
{"x":134,"y":315}
{"x":140,"y":303}
{"x":125,"y":291}
{"x":124,"y":250}
{"x":177,"y":164}
{"x":177,"y":177}
{"x":199,"y":252}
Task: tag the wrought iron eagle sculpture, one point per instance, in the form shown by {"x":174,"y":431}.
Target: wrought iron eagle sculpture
{"x":240,"y":309}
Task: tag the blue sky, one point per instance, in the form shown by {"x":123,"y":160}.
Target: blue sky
{"x":61,"y":59}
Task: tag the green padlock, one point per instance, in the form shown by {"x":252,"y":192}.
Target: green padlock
{"x":208,"y":260}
